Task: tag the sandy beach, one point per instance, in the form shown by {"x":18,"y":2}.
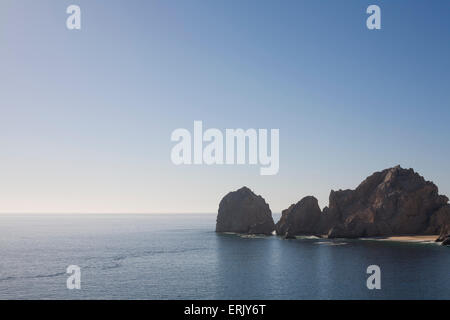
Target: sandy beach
{"x":428,"y":238}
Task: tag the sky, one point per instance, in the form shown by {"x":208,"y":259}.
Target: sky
{"x":86,"y":115}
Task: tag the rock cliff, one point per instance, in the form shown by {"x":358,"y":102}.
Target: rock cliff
{"x":394,"y":201}
{"x":242,"y":211}
{"x":302,"y":218}
{"x":444,"y":236}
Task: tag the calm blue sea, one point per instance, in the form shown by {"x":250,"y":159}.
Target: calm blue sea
{"x":181,"y":257}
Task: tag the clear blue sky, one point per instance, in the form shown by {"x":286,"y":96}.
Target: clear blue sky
{"x":86,"y":116}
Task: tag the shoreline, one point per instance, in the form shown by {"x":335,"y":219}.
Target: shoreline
{"x":406,"y":239}
{"x":411,"y":239}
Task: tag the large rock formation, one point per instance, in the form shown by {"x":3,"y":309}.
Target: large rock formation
{"x":394,"y":201}
{"x":440,"y":219}
{"x":302,"y":218}
{"x":242,"y":211}
{"x":444,"y":236}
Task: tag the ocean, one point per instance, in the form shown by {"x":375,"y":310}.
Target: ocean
{"x":179,"y":256}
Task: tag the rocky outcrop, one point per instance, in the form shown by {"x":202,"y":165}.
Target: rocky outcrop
{"x":444,"y":236}
{"x":438,"y":220}
{"x":242,"y":211}
{"x":394,"y":201}
{"x":302,"y":218}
